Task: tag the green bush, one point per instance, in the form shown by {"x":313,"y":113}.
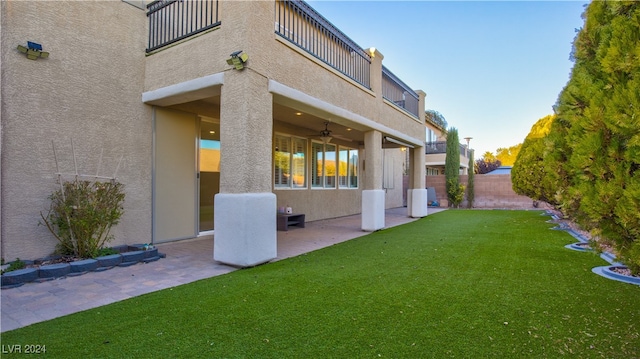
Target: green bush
{"x":15,"y":265}
{"x":82,"y":214}
{"x":592,"y":153}
{"x":528,"y":172}
{"x":455,"y":192}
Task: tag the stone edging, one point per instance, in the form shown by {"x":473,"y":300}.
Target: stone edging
{"x":605,"y":271}
{"x":129,"y":255}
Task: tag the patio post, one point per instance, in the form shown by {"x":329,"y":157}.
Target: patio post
{"x":372,"y":194}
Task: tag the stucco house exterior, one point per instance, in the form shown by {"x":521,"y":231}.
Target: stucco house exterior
{"x":436,"y":148}
{"x":211,"y":113}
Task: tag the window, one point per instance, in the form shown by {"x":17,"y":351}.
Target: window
{"x":331,"y":164}
{"x":431,"y":136}
{"x":348,"y":168}
{"x":290,"y":162}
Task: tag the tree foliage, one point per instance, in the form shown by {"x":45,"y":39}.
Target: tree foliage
{"x":507,"y":155}
{"x":470,"y":184}
{"x":436,"y":118}
{"x":486,"y":164}
{"x":528,"y":172}
{"x":455,"y":191}
{"x":592,"y":152}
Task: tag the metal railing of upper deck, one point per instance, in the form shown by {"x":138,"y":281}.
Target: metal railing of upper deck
{"x":173,"y":20}
{"x":396,"y":91}
{"x":441,"y":147}
{"x":299,"y":23}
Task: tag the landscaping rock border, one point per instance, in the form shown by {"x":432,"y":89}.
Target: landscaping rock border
{"x":608,"y":272}
{"x":129,"y":255}
{"x":605,"y":271}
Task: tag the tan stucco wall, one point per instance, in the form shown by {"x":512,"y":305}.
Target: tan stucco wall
{"x":249,"y":26}
{"x":88,"y":91}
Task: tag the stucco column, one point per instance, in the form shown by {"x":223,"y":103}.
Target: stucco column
{"x":375,"y":71}
{"x":245,"y":219}
{"x":372,"y":194}
{"x":417,"y":205}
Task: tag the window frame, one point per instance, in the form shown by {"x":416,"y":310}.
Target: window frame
{"x":293,"y":144}
{"x":325,"y":181}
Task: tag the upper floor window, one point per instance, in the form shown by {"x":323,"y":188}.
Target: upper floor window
{"x":431,"y":136}
{"x":290,"y":162}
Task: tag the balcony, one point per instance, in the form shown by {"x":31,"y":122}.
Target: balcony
{"x":438,"y":147}
{"x":173,"y":20}
{"x":435,"y":158}
{"x":295,"y":21}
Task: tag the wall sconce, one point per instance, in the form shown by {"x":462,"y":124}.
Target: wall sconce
{"x":238,"y":59}
{"x":33,"y":51}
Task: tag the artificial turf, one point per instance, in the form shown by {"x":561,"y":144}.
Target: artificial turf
{"x":459,"y":283}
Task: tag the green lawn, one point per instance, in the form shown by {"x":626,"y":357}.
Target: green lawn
{"x":464,"y":284}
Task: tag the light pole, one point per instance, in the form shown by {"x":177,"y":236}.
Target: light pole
{"x":468,"y":140}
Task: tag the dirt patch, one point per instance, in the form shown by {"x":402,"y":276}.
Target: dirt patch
{"x":55,"y":260}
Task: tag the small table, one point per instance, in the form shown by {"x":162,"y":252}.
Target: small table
{"x":286,"y":220}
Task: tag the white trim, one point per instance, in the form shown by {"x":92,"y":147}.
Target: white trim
{"x":184,"y":92}
{"x":334,"y":111}
{"x":393,"y":140}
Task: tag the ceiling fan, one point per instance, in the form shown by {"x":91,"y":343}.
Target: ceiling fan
{"x":326,"y":136}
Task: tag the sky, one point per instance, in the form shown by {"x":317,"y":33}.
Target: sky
{"x":491,"y":68}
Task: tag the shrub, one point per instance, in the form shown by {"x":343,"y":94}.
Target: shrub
{"x":82,"y":214}
{"x":594,"y":146}
{"x":455,"y":192}
{"x":15,"y":265}
{"x":528,"y":173}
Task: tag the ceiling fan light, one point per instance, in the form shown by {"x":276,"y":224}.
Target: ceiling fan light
{"x":326,"y":139}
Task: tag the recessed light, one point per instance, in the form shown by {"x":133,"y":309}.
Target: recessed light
{"x":298,"y":113}
{"x":348,"y":129}
{"x":212,"y":132}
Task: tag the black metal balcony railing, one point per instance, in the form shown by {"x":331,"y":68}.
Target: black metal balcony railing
{"x":432,"y":148}
{"x":396,"y":91}
{"x":435,"y":147}
{"x":299,"y":23}
{"x":174,"y":20}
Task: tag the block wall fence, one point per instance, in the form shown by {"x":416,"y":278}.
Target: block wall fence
{"x":491,"y":191}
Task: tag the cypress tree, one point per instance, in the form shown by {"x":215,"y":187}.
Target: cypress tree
{"x":470,"y":186}
{"x":455,"y":191}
